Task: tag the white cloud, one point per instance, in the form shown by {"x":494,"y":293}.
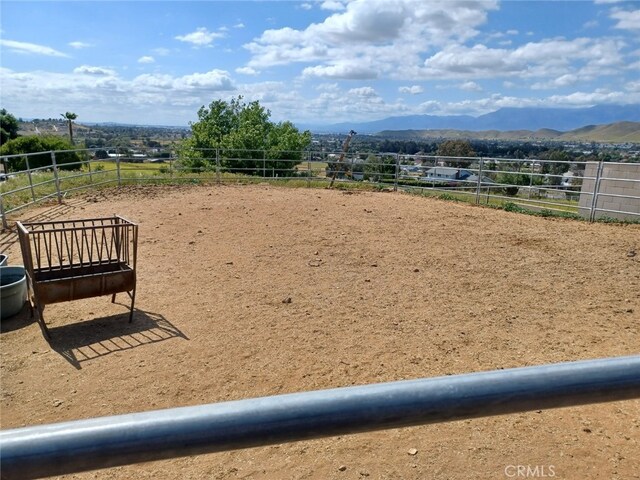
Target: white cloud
{"x":363,"y":92}
{"x":412,"y":90}
{"x":633,"y":86}
{"x":99,"y":93}
{"x":475,"y":61}
{"x":306,"y":6}
{"x":213,"y":80}
{"x":247,"y":71}
{"x":239,"y":25}
{"x":89,"y":70}
{"x":430,"y":106}
{"x":627,"y":19}
{"x":383,"y":35}
{"x":341,"y":71}
{"x":548,"y":58}
{"x":200,"y":37}
{"x":559,"y":82}
{"x":328,"y":87}
{"x":470,"y":87}
{"x":79,"y":45}
{"x":332,"y":5}
{"x":31,"y":48}
{"x":146,"y":59}
{"x":592,"y":98}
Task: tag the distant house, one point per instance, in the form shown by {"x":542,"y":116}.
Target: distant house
{"x":473,"y":179}
{"x":570,"y":179}
{"x":446,"y":173}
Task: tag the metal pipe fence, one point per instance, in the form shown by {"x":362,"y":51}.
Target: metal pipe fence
{"x":587,"y":189}
{"x":82,"y":445}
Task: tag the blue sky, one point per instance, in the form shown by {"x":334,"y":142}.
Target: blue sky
{"x":314,"y":62}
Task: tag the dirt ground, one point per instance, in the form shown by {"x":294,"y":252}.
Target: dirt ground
{"x":383,"y":286}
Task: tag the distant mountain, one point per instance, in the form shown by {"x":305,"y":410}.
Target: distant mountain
{"x":561,"y":119}
{"x":619,"y":132}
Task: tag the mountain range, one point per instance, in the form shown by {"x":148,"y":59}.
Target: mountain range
{"x":533,"y":119}
{"x":618,"y":132}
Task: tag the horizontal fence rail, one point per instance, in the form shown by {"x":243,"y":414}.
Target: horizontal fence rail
{"x":76,"y":446}
{"x":590,"y":190}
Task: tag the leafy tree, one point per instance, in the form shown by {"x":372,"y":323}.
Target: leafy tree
{"x":34,"y":144}
{"x":101,"y":154}
{"x":456,"y":148}
{"x":377,"y":168}
{"x":8,"y":127}
{"x":246,"y":140}
{"x":70,"y":117}
{"x":285,"y":144}
{"x":555,"y":170}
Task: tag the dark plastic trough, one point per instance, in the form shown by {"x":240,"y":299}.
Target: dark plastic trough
{"x":13,"y":290}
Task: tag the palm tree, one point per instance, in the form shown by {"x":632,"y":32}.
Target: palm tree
{"x":70,"y":117}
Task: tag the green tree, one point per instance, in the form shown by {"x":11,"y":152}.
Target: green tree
{"x":70,"y":117}
{"x":456,"y":148}
{"x":285,"y":144}
{"x":8,"y":127}
{"x":34,"y":144}
{"x":245,"y":139}
{"x":560,"y":163}
{"x":379,"y":168}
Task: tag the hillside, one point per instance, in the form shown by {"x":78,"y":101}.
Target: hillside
{"x":619,"y":132}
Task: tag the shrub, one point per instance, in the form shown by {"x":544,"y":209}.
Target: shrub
{"x":511,"y":191}
{"x":512,"y":207}
{"x":34,"y":144}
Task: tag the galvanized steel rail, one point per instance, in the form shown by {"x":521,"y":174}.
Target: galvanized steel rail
{"x":69,"y":447}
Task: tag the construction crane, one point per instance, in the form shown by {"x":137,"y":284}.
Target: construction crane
{"x":345,"y":147}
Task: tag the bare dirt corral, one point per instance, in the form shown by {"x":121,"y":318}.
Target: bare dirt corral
{"x":383,"y":286}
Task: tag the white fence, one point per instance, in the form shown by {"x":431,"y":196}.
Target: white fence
{"x":591,"y":190}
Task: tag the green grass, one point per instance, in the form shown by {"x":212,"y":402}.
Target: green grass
{"x":561,"y":205}
{"x":106,"y":165}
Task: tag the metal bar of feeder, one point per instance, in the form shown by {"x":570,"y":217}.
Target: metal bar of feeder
{"x":125,"y":439}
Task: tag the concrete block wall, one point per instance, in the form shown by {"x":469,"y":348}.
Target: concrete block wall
{"x":619,"y":183}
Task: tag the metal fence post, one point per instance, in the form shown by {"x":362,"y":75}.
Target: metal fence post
{"x":308,"y":169}
{"x":395,"y":179}
{"x":479,"y":185}
{"x":5,"y":225}
{"x":264,"y":164}
{"x":351,"y":167}
{"x":596,"y":189}
{"x":90,"y":176}
{"x":26,"y":162}
{"x":217,"y":167}
{"x":56,"y":176}
{"x":118,"y":167}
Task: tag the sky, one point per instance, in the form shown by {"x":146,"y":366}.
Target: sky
{"x":314,"y":62}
